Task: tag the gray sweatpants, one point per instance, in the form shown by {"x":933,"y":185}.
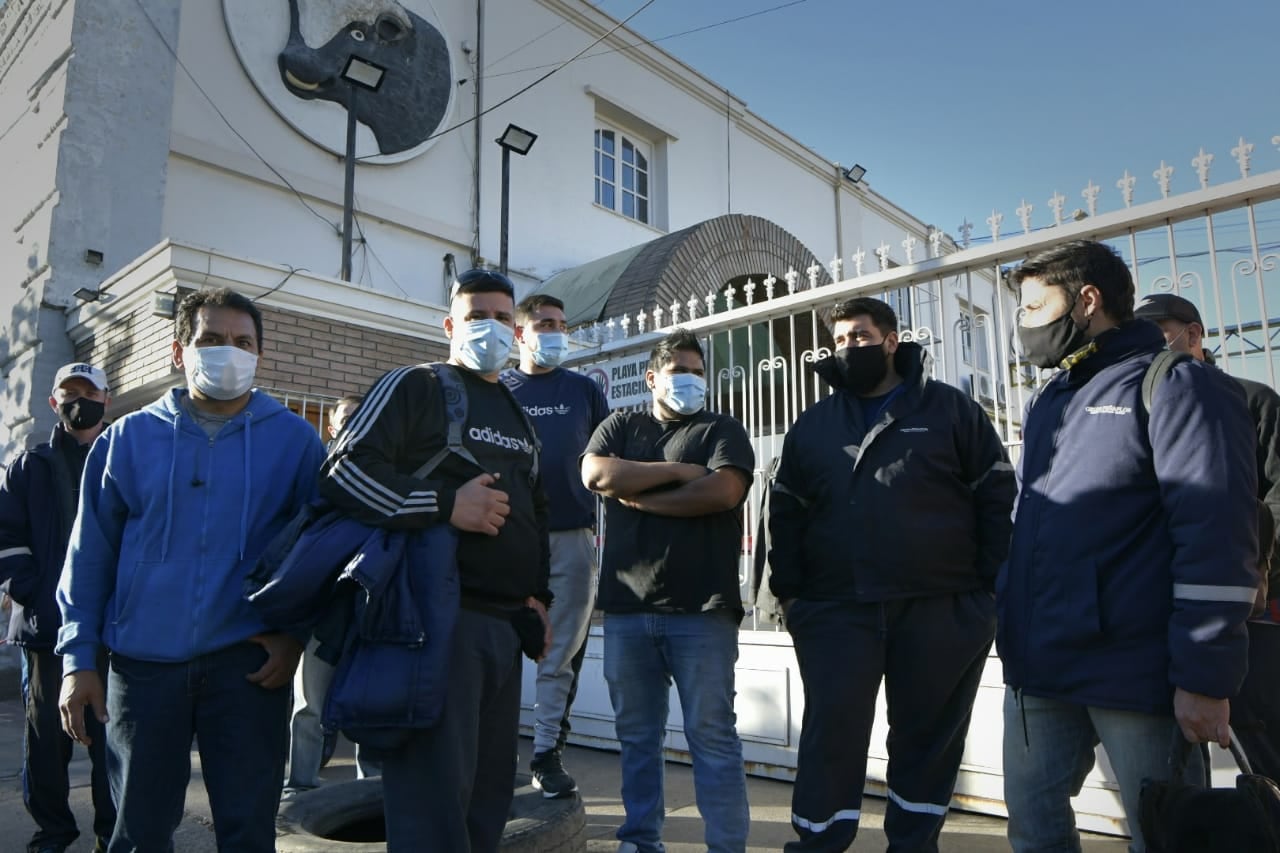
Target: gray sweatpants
{"x":573,"y":584}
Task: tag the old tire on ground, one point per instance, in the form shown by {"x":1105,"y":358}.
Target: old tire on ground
{"x":346,"y":817}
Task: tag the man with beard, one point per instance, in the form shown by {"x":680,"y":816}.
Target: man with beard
{"x":673,"y":479}
{"x":889,"y":517}
{"x":1132,"y":567}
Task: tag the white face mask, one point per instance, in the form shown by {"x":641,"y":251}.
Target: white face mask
{"x":548,"y":348}
{"x":686,"y":393}
{"x":221,"y":373}
{"x":482,"y":345}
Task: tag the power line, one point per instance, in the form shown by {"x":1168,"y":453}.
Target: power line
{"x":225,"y":120}
{"x":524,"y":89}
{"x":644,"y":42}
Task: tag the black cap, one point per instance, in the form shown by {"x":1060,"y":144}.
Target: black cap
{"x":1167,"y":306}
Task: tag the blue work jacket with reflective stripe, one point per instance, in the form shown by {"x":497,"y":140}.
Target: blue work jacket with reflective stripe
{"x":1132,"y":568}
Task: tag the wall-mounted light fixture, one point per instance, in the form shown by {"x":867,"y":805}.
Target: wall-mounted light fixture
{"x":854,"y":174}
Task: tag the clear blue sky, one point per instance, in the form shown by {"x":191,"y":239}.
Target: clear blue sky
{"x":957,"y":108}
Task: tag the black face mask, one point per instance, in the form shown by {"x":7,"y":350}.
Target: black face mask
{"x":82,"y":413}
{"x":1048,"y":345}
{"x":861,"y":369}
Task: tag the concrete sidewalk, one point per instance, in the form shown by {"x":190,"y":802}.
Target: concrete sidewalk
{"x":598,"y":776}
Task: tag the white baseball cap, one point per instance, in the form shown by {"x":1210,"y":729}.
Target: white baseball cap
{"x":80,"y":370}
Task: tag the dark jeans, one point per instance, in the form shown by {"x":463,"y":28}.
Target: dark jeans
{"x":157,"y":709}
{"x":450,"y":787}
{"x":47,"y":754}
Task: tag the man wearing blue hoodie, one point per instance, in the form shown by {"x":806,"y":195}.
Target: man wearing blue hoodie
{"x":179,"y":500}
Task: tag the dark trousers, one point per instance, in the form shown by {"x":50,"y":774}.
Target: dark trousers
{"x":47,"y":755}
{"x":1255,"y":713}
{"x":930,"y":653}
{"x":450,"y":787}
{"x":242,"y":730}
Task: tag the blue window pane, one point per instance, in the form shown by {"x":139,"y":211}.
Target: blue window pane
{"x":641,"y":161}
{"x":643,"y":210}
{"x":642,"y":183}
{"x":606,"y":167}
{"x":597,"y":190}
{"x":628,"y":178}
{"x":628,"y":205}
{"x":606,"y":141}
{"x":597,"y":139}
{"x":597,"y":156}
{"x":606,"y":196}
{"x":628,"y":151}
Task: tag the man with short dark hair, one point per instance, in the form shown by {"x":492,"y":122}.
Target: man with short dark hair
{"x":674,"y":479}
{"x":565,"y":408}
{"x":450,"y":786}
{"x":180,"y":500}
{"x":39,"y":491}
{"x":889,"y":518}
{"x":1255,"y":713}
{"x":1131,"y":571}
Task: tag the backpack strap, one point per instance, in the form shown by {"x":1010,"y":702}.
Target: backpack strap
{"x":454,"y":394}
{"x":1156,"y":374}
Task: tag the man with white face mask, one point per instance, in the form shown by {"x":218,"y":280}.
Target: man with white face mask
{"x":179,"y":501}
{"x":565,"y":408}
{"x":673,"y":479}
{"x":450,"y":787}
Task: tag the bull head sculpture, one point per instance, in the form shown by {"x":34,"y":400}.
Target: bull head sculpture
{"x":415,"y":92}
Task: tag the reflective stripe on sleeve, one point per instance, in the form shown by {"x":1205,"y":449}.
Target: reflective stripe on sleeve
{"x":1210,"y":592}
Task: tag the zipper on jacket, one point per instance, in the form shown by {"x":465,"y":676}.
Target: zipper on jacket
{"x":1035,"y":537}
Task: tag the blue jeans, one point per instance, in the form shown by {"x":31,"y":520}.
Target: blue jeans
{"x":157,"y":709}
{"x":1048,"y":752}
{"x":307,"y":737}
{"x":643,"y":654}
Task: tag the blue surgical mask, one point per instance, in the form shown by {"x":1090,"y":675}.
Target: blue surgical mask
{"x":482,"y":345}
{"x":686,"y":393}
{"x":548,"y":349}
{"x":220,"y":373}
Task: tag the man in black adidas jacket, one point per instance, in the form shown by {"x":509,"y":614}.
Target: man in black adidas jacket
{"x":889,"y":518}
{"x":1255,"y":712}
{"x":450,"y":786}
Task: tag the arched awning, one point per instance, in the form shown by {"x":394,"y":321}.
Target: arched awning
{"x":688,"y":263}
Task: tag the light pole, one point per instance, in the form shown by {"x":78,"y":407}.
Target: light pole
{"x":519,"y":140}
{"x":359,"y":74}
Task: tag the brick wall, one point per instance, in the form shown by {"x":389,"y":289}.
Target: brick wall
{"x":303,"y":355}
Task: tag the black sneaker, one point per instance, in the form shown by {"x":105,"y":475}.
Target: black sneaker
{"x":549,"y":776}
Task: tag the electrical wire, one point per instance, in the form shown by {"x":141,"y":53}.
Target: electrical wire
{"x":526,"y":88}
{"x":292,"y":272}
{"x":645,"y":42}
{"x":174,"y":53}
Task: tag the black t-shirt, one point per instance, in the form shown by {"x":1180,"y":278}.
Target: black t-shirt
{"x":657,"y":563}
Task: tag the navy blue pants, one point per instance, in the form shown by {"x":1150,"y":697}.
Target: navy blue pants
{"x":1255,"y":713}
{"x":930,"y":653}
{"x":242,"y":730}
{"x":47,"y":754}
{"x":450,"y":787}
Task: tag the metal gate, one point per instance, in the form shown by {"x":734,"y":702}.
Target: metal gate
{"x":1217,"y":245}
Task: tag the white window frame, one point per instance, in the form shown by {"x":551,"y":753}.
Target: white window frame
{"x":614,"y":177}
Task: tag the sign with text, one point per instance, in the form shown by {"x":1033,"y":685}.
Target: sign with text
{"x":622,"y":380}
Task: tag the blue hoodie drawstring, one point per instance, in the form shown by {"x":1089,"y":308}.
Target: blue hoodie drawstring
{"x":168,"y":512}
{"x":248,"y":467}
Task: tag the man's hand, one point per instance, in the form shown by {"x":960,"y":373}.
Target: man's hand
{"x":477,"y":508}
{"x":81,"y":690}
{"x":537,"y":605}
{"x":283,"y":652}
{"x":1202,"y":719}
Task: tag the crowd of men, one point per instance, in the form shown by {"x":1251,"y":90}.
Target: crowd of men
{"x":1119,"y":570}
